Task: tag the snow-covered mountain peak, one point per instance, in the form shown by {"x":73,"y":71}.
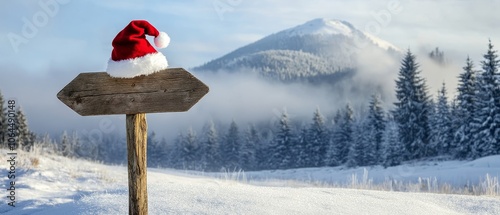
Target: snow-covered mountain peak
{"x":322,"y":26}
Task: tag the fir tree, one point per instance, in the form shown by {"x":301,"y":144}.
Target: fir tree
{"x":360,"y":146}
{"x":284,"y":145}
{"x":438,"y":56}
{"x":212,"y":157}
{"x":248,"y":148}
{"x":231,"y":148}
{"x":175,"y":156}
{"x":376,"y":128}
{"x":66,"y":147}
{"x":317,"y":141}
{"x":412,"y":109}
{"x":443,"y":130}
{"x":343,"y":135}
{"x":486,"y":127}
{"x":393,"y":149}
{"x":190,"y":150}
{"x":24,"y":136}
{"x":465,"y":111}
{"x":304,"y":158}
{"x":264,"y":150}
{"x":332,"y":154}
{"x":156,"y":150}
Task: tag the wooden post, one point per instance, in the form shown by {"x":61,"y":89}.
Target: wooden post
{"x":137,"y":136}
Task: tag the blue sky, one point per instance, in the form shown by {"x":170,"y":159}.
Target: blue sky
{"x":77,"y":36}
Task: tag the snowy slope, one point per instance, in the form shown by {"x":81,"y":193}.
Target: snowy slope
{"x":331,"y":45}
{"x":64,"y":186}
{"x":321,"y":26}
{"x":455,"y":173}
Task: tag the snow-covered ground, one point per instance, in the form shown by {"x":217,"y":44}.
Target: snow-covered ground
{"x":58,"y":185}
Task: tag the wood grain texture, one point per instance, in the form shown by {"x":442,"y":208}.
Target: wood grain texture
{"x":170,"y":90}
{"x":137,"y":130}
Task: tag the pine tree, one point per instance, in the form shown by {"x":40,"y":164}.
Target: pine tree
{"x":376,"y":128}
{"x":393,"y":149}
{"x":317,"y":141}
{"x":75,"y":143}
{"x":486,"y":127}
{"x":412,"y":109}
{"x":304,"y":158}
{"x":360,"y":146}
{"x":332,"y":154}
{"x":156,"y":150}
{"x":212,"y":157}
{"x":443,"y":128}
{"x":264,"y":150}
{"x":231,"y":148}
{"x":343,"y":135}
{"x":190,"y":150}
{"x":465,"y":111}
{"x":66,"y":147}
{"x":248,"y":148}
{"x":24,"y":136}
{"x":283,"y":144}
{"x":175,"y":156}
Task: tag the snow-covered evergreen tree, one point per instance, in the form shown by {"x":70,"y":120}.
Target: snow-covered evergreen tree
{"x":248,"y":148}
{"x":231,"y":148}
{"x":360,"y":146}
{"x":332,"y":158}
{"x":465,"y":111}
{"x":156,"y":150}
{"x":66,"y":147}
{"x":264,"y":150}
{"x":393,"y":149}
{"x":190,"y":153}
{"x":211,"y":153}
{"x":24,"y":137}
{"x":412,"y":109}
{"x":317,"y":141}
{"x":343,"y":135}
{"x":486,"y":127}
{"x":175,"y":158}
{"x":283,"y":144}
{"x":376,"y":129}
{"x":304,"y":158}
{"x":443,"y":137}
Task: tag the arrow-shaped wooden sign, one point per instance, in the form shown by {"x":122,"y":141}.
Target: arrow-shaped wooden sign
{"x":170,"y":90}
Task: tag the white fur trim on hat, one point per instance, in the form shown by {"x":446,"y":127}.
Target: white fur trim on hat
{"x":145,"y":65}
{"x":162,"y":40}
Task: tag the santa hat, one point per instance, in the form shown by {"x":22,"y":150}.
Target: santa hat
{"x":133,"y":55}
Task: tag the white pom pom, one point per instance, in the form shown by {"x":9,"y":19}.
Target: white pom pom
{"x":162,"y":40}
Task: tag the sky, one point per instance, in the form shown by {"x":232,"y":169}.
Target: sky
{"x":44,"y":44}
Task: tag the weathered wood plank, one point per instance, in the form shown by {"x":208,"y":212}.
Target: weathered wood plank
{"x":137,"y":129}
{"x":170,"y":90}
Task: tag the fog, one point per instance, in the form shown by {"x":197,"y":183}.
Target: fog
{"x":241,"y":96}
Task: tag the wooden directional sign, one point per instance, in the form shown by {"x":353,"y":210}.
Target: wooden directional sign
{"x":170,"y":90}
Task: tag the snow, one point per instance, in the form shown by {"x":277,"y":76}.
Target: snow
{"x":382,"y":43}
{"x":60,"y":185}
{"x":321,"y":27}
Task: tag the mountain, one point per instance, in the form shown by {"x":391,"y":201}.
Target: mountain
{"x":321,"y":49}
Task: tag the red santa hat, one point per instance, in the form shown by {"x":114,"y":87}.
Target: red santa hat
{"x":133,"y":55}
